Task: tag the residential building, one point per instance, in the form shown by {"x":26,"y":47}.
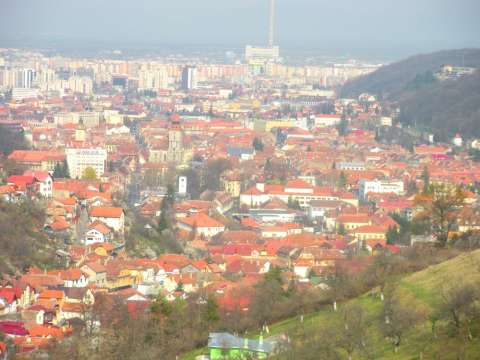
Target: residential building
{"x":79,"y":159}
{"x":380,"y":187}
{"x":113,"y":217}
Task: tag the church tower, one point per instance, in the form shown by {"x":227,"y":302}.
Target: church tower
{"x":175,"y":140}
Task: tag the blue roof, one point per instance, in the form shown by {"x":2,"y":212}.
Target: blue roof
{"x":229,"y":341}
{"x":239,"y":151}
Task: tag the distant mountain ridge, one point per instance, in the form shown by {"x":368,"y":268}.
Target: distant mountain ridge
{"x":393,"y":79}
{"x":444,"y":107}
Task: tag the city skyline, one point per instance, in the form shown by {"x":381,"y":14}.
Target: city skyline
{"x":393,"y":30}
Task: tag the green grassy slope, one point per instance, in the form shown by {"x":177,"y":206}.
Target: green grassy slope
{"x":422,"y":290}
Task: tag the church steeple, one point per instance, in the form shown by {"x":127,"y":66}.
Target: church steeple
{"x":175,"y":139}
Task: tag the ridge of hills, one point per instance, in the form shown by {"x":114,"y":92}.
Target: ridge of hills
{"x":441,"y":107}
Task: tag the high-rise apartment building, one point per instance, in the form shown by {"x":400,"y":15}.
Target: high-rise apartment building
{"x":189,"y":78}
{"x":79,"y":159}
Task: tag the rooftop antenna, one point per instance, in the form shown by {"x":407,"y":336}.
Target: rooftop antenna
{"x":271,"y":23}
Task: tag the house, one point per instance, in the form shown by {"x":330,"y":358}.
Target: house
{"x":9,"y":300}
{"x":37,"y":159}
{"x":97,"y":232}
{"x":353,"y":221}
{"x":201,"y":224}
{"x":113,"y":217}
{"x":318,"y":208}
{"x":241,"y":153}
{"x":8,"y":192}
{"x":57,"y":295}
{"x":34,"y":315}
{"x":369,"y":232}
{"x":74,"y":310}
{"x":45,"y":182}
{"x":96,"y":274}
{"x":71,"y":277}
{"x":25,"y":185}
{"x":79,"y":295}
{"x":228,"y":346}
{"x":302,"y":268}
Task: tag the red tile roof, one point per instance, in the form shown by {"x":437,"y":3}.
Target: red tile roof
{"x":201,"y":220}
{"x":106,"y":212}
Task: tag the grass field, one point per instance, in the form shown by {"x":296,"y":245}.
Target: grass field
{"x":422,"y":290}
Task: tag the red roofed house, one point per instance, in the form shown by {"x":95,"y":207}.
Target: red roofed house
{"x":98,"y":232}
{"x":202,"y":224}
{"x":369,"y":232}
{"x":45,"y":182}
{"x":9,"y":300}
{"x":113,"y":217}
{"x":8,"y":192}
{"x":24,"y":184}
{"x":37,"y":160}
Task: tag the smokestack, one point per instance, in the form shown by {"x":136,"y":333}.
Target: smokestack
{"x":271,"y":23}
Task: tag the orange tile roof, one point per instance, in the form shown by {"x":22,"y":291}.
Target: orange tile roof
{"x":45,"y":331}
{"x":201,"y":220}
{"x":52,"y":294}
{"x":370,"y":229}
{"x":106,"y":212}
{"x":35,"y":156}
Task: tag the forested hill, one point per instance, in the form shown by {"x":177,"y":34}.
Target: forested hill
{"x":442,"y":107}
{"x":392,"y":80}
{"x":445,"y":108}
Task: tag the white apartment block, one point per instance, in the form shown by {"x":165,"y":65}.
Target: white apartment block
{"x":79,"y":159}
{"x":380,"y":187}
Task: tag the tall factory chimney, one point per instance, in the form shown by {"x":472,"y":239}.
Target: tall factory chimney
{"x":271,"y":23}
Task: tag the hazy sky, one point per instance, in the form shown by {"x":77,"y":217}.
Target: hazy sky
{"x":329,"y":25}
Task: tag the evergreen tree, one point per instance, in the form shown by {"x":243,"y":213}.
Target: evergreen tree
{"x":342,"y":126}
{"x":66,"y":170}
{"x":426,"y":180}
{"x":58,"y":171}
{"x":163,"y":222}
{"x":211,"y":315}
{"x":392,"y":235}
{"x":257,"y":144}
{"x":170,"y":197}
{"x":342,"y":181}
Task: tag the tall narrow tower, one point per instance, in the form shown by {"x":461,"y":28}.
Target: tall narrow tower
{"x":271,"y":30}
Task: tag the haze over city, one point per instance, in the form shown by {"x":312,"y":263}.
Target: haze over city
{"x":371,"y":27}
{"x":239,"y":179}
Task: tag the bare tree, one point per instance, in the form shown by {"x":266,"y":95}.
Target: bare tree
{"x":398,"y":317}
{"x":353,"y":330}
{"x":459,"y":305}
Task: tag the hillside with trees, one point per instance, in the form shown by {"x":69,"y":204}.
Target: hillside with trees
{"x":392,"y":80}
{"x":22,"y":242}
{"x":444,"y":107}
{"x":420,"y":304}
{"x":430,"y":314}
